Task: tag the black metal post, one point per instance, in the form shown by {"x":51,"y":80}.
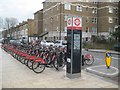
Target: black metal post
{"x":119,"y":13}
{"x":119,"y":20}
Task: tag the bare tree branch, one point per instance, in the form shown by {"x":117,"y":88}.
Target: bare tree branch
{"x":1,"y":22}
{"x":9,"y":24}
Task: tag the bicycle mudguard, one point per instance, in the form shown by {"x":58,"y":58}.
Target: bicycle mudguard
{"x":40,"y":60}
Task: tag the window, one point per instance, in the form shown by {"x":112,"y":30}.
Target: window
{"x":94,"y":20}
{"x":94,"y":2}
{"x":94,"y":30}
{"x":87,"y":9}
{"x":87,"y":19}
{"x":116,"y":10}
{"x":65,"y":17}
{"x":67,"y":6}
{"x":110,"y":10}
{"x":110,"y":20}
{"x":94,"y":10}
{"x":45,"y":29}
{"x":65,"y":29}
{"x":57,"y":28}
{"x":116,"y":20}
{"x":79,"y":8}
{"x":87,"y":29}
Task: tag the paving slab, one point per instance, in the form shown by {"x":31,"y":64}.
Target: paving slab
{"x":17,"y":75}
{"x":102,"y":70}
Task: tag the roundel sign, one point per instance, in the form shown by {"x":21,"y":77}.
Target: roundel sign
{"x":77,"y":21}
{"x":74,"y":23}
{"x":69,"y":22}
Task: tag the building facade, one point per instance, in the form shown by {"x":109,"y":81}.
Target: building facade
{"x":107,"y":17}
{"x":98,"y":18}
{"x":38,"y":19}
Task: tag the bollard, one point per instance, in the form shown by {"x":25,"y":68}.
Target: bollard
{"x":108,"y":59}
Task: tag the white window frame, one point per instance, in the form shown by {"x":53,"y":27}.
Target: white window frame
{"x":94,"y":29}
{"x":110,"y":10}
{"x":110,"y":20}
{"x":79,"y":8}
{"x":94,"y":20}
{"x":67,"y":6}
{"x":65,"y":17}
{"x":94,"y":10}
{"x":94,"y":2}
{"x":65,"y":29}
{"x":57,"y":28}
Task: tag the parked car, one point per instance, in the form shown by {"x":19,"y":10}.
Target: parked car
{"x":15,"y":42}
{"x":59,"y":43}
{"x":24,"y":40}
{"x":47,"y":43}
{"x":1,"y":40}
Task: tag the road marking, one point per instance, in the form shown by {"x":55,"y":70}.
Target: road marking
{"x":112,"y":58}
{"x":97,"y":59}
{"x":108,"y":74}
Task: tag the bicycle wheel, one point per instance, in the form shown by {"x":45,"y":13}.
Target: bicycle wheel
{"x":58,"y":64}
{"x":38,"y":67}
{"x":22,"y":60}
{"x":89,"y":61}
{"x":55,"y":63}
{"x":29,"y":64}
{"x":25,"y":61}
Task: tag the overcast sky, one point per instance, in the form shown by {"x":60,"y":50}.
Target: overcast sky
{"x":20,"y":9}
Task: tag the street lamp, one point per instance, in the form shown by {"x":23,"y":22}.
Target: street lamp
{"x":60,"y":21}
{"x":51,"y":25}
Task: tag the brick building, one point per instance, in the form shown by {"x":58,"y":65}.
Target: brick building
{"x":98,"y":18}
{"x":107,"y":17}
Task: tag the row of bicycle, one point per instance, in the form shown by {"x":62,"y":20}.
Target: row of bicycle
{"x":39,"y":57}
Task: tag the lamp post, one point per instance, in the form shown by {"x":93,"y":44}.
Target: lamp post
{"x":119,"y":19}
{"x":60,"y":22}
{"x":51,"y":25}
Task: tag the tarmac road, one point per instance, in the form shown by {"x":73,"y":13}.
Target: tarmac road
{"x":100,"y":60}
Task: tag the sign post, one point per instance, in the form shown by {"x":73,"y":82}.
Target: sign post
{"x":108,"y":59}
{"x":74,"y":40}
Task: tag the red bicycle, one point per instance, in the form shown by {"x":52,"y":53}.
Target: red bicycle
{"x":88,"y":59}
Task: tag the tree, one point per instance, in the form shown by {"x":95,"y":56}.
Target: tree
{"x":116,"y":34}
{"x":9,"y":24}
{"x":1,"y":22}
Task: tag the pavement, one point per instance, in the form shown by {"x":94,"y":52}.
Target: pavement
{"x":17,"y":75}
{"x":103,"y":51}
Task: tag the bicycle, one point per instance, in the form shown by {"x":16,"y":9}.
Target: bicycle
{"x":87,"y":59}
